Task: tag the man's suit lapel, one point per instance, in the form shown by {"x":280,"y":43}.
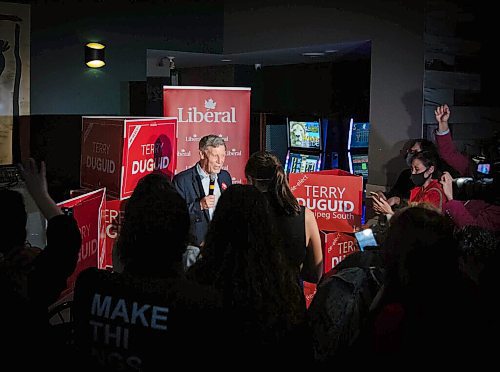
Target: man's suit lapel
{"x":198,"y":188}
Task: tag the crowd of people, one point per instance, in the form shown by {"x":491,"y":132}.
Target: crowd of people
{"x":237,"y":292}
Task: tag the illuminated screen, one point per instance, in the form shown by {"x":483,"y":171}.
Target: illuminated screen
{"x":483,"y":168}
{"x":304,"y":134}
{"x":359,"y":135}
{"x":360,"y":165}
{"x":299,"y":163}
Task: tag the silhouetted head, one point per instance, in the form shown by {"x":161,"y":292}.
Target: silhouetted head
{"x":421,"y":252}
{"x":154,"y":232}
{"x":264,"y":171}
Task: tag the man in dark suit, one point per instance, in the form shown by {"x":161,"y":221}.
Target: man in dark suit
{"x":194,"y":185}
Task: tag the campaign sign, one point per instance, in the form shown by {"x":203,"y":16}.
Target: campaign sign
{"x":222,"y":111}
{"x":334,"y":196}
{"x":150,"y":145}
{"x":336,"y":246}
{"x":118,"y":151}
{"x":309,"y":292}
{"x":87,"y":210}
{"x":113,"y":218}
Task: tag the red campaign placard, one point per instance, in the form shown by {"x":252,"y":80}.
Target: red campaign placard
{"x":150,"y":145}
{"x":335,"y":197}
{"x":210,"y":110}
{"x":336,"y":246}
{"x":101,"y":153}
{"x":87,"y":210}
{"x":309,"y":292}
{"x":113,"y":218}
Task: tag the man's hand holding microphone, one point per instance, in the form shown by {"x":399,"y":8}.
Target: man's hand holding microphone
{"x":208,"y":201}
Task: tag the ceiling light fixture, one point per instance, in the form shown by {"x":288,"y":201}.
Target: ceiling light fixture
{"x":313,"y":54}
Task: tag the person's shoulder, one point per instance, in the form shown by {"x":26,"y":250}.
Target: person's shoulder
{"x":224,"y":174}
{"x":184,"y":174}
{"x":435,"y":186}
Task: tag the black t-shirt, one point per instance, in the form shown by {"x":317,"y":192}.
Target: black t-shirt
{"x":123,"y":322}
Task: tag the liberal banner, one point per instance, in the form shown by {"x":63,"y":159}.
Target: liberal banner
{"x":201,"y":111}
{"x":335,"y":197}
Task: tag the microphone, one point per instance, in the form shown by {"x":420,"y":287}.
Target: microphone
{"x":211,"y":186}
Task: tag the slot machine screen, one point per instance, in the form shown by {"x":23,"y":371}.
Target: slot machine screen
{"x":304,"y":134}
{"x":299,"y":163}
{"x":359,"y":165}
{"x":358,"y":135}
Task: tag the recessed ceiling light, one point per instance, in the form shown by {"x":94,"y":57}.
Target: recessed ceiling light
{"x":331,"y":51}
{"x":225,"y":60}
{"x":313,"y":54}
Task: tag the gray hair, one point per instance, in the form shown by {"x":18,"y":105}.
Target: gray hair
{"x":211,"y":141}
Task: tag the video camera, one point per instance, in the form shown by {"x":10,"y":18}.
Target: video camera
{"x":483,"y":186}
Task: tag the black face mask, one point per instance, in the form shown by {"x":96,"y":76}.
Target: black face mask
{"x":419,"y":179}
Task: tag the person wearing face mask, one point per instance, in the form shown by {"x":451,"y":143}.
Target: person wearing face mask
{"x":425,"y":175}
{"x":401,"y":189}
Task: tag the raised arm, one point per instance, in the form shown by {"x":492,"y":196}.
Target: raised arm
{"x":58,"y":260}
{"x":36,"y":183}
{"x":446,"y":148}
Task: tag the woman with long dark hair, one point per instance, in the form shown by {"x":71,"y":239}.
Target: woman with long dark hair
{"x":296,"y":223}
{"x":243,"y":258}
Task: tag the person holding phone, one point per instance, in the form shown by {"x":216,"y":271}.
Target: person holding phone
{"x":425,"y":176}
{"x":401,"y":189}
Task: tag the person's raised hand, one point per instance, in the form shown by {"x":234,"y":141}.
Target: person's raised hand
{"x":447,"y":182}
{"x":442,"y":114}
{"x":34,"y":177}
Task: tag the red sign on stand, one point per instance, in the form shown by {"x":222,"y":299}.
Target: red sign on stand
{"x":335,"y":197}
{"x":87,"y":210}
{"x":336,"y":246}
{"x":201,"y":111}
{"x":309,"y":292}
{"x":118,"y":151}
{"x":113,"y":219}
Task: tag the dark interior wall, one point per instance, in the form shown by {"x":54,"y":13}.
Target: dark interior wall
{"x":319,"y":89}
{"x":56,"y":140}
{"x":60,"y":81}
{"x":221,"y":76}
{"x":395,"y":29}
{"x":63,"y":88}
